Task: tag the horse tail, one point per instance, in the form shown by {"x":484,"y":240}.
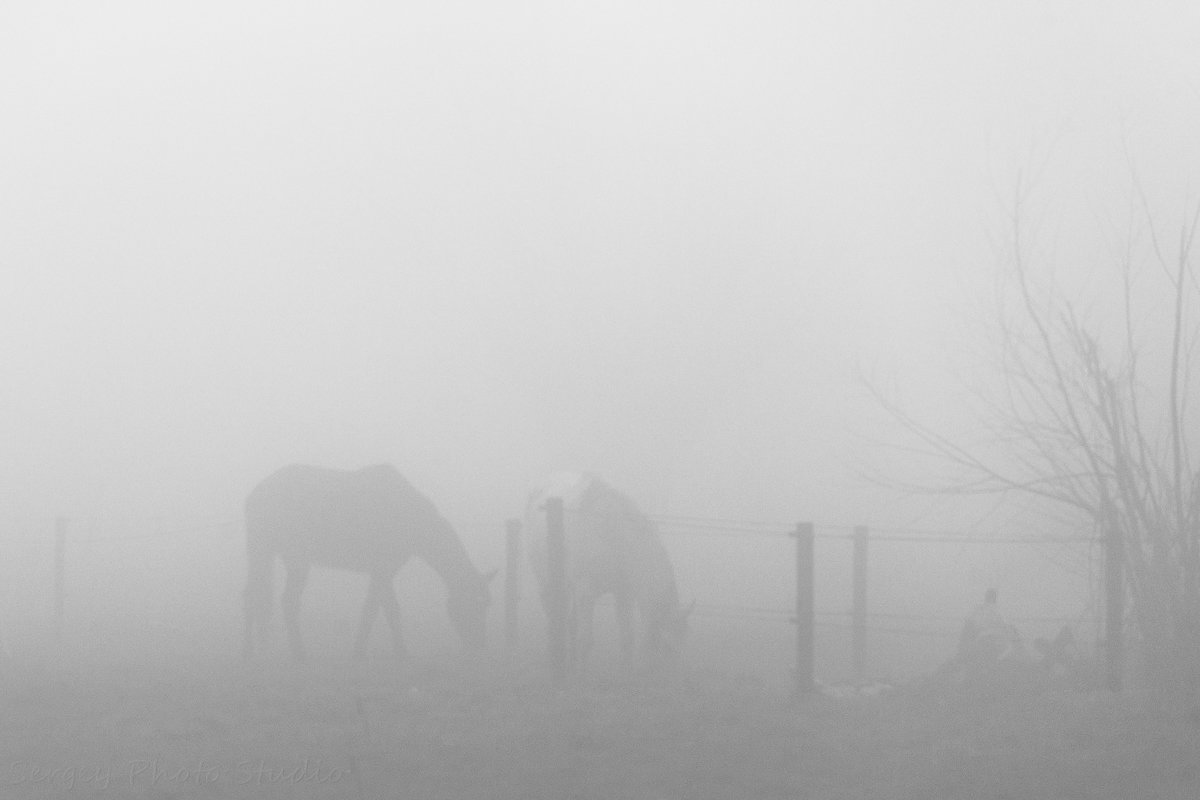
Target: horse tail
{"x":259,"y":591}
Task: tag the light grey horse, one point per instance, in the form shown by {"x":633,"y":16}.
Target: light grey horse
{"x":612,"y":549}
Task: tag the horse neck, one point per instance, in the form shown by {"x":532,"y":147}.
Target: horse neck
{"x":444,"y":552}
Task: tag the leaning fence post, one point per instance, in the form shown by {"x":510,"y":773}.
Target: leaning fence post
{"x":1114,"y":580}
{"x":60,"y":574}
{"x":512,"y":582}
{"x":861,"y":539}
{"x":556,"y":589}
{"x":804,"y":607}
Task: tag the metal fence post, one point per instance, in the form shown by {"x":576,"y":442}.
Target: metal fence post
{"x":861,"y":539}
{"x":512,"y":582}
{"x":556,"y":589}
{"x":804,"y":608}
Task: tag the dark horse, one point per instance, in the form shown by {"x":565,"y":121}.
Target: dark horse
{"x":370,"y":520}
{"x":612,"y":548}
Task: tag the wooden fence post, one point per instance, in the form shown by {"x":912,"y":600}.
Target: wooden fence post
{"x":512,"y":582}
{"x":556,"y":589}
{"x":861,"y":539}
{"x":1114,"y":584}
{"x":60,"y":574}
{"x":804,"y":608}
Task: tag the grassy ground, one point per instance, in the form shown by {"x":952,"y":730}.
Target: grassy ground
{"x":448,"y":729}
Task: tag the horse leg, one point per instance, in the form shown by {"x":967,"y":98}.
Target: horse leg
{"x":366,"y":619}
{"x":297,"y":576}
{"x":391,"y":612}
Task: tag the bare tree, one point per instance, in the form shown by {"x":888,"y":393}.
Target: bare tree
{"x":1091,"y":413}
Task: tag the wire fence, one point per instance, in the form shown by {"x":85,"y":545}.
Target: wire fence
{"x":698,"y":526}
{"x":862,"y":640}
{"x":907,"y":624}
{"x":882,"y":627}
{"x":949,"y":626}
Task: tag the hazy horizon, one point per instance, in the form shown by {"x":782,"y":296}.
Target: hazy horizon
{"x":484,"y":242}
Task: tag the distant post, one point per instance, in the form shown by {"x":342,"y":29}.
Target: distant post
{"x":1114,"y":584}
{"x":861,"y":539}
{"x":512,"y":582}
{"x":60,"y":574}
{"x":804,"y":608}
{"x":556,"y":589}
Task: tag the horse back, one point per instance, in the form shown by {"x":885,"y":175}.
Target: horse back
{"x":361,"y":519}
{"x":612,"y":548}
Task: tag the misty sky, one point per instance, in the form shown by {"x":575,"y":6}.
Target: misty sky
{"x":483,"y":242}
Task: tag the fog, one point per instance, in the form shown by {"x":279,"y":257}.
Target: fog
{"x":482,"y":242}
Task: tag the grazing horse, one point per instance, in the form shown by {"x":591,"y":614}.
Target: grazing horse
{"x":611,"y":548}
{"x":370,"y":520}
